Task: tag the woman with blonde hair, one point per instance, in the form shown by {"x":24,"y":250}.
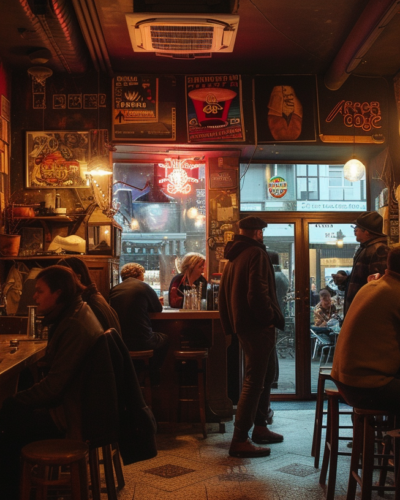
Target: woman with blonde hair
{"x":192,"y":269}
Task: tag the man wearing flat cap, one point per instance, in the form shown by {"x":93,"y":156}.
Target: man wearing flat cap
{"x":370,"y":257}
{"x":249,"y":308}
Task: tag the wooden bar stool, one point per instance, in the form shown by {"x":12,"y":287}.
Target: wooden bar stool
{"x":366,"y":424}
{"x":324,"y":375}
{"x":44,"y":458}
{"x":331,"y":451}
{"x":110,"y":458}
{"x":144,"y":374}
{"x":198,"y":357}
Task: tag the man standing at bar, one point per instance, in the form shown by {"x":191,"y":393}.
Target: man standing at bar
{"x":249,"y":308}
{"x":370,"y":257}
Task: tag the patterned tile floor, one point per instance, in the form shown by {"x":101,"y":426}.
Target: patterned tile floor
{"x":189,"y":467}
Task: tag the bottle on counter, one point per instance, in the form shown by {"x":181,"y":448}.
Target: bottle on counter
{"x":215,"y":282}
{"x":31,"y":328}
{"x":58,"y":201}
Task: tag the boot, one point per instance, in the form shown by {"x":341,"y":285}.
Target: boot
{"x":262,"y":435}
{"x":246,"y":449}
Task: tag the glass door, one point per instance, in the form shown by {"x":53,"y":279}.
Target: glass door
{"x":331,"y":250}
{"x":310,"y":247}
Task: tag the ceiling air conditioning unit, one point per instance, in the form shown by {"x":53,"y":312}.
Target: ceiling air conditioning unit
{"x":185,"y":36}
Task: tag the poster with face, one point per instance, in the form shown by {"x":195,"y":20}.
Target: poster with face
{"x":285,"y":108}
{"x":214,"y":108}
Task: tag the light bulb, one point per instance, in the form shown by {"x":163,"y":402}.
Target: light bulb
{"x":353,"y":170}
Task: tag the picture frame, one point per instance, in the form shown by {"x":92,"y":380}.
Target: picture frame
{"x":56,"y":159}
{"x":32,"y":240}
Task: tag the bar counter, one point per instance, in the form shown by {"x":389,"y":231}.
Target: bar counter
{"x":12,"y":362}
{"x":188,"y":329}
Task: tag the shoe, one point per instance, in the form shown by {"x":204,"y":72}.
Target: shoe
{"x":246,"y":449}
{"x":262,"y":435}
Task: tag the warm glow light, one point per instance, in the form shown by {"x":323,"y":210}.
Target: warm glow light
{"x":178,"y":179}
{"x":353,"y":170}
{"x":192,"y":212}
{"x":99,"y":171}
{"x":339,"y":243}
{"x":134,"y":225}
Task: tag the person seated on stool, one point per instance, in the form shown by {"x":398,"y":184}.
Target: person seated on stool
{"x":133,"y":300}
{"x":366,"y":364}
{"x":324,"y":310}
{"x":192,"y":269}
{"x":51,"y":408}
{"x":106,"y":315}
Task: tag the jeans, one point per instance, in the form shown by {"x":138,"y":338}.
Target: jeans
{"x":253,"y":405}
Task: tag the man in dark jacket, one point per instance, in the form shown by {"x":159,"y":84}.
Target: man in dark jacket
{"x":249,"y":308}
{"x":370,"y":257}
{"x":133,"y":300}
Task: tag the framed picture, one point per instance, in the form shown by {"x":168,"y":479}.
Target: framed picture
{"x":31,"y":240}
{"x":59,"y":101}
{"x":56,"y":159}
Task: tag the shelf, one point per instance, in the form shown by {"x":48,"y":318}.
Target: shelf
{"x":54,"y":218}
{"x":58,"y":257}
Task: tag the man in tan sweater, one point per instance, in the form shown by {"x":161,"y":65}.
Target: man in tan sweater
{"x":366,"y":364}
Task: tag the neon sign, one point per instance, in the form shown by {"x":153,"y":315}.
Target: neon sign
{"x":177,"y":176}
{"x":365,"y":115}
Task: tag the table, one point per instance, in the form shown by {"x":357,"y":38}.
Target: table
{"x":12,"y":363}
{"x":192,"y":329}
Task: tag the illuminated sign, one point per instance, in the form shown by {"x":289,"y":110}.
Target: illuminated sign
{"x":277,"y":187}
{"x":176,"y":175}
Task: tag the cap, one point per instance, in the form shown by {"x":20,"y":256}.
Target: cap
{"x":371,"y":222}
{"x":252,"y":223}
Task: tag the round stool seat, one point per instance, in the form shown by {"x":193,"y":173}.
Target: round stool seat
{"x":332,"y":392}
{"x":55,"y":451}
{"x":361,"y":411}
{"x":200,"y":354}
{"x":141,"y":354}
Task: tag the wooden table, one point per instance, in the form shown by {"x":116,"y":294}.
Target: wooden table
{"x":12,"y":362}
{"x":192,"y":329}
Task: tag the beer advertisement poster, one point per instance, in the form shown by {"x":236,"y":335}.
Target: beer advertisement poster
{"x":285,"y":108}
{"x":144,"y":108}
{"x":214,"y":108}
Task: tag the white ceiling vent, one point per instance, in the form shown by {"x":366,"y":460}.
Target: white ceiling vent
{"x":183,"y":36}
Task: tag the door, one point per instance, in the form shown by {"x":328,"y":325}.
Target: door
{"x":306,"y":249}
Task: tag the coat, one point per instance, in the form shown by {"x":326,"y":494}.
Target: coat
{"x":370,"y":258}
{"x":247,"y":293}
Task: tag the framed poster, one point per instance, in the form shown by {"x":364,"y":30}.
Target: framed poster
{"x":285,"y":108}
{"x":214,"y":108}
{"x":223,"y":173}
{"x":56,"y":159}
{"x":144,"y":108}
{"x":355,"y":113}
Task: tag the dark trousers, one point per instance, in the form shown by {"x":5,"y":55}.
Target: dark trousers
{"x":385,"y":398}
{"x":19,"y":427}
{"x":254,"y":401}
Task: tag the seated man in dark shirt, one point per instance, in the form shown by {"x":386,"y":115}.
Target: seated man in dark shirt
{"x":133,"y":300}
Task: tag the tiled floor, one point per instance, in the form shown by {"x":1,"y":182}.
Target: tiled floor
{"x":189,"y":467}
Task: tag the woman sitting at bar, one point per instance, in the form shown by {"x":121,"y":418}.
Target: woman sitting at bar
{"x":324,"y":310}
{"x":192,"y":268}
{"x":106,"y":315}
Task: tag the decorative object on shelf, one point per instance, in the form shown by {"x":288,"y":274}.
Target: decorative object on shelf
{"x":31,"y":241}
{"x":9,"y":245}
{"x":103,"y":235}
{"x":56,"y":159}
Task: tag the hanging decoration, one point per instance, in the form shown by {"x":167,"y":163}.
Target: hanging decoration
{"x":353,"y":170}
{"x":177,"y":176}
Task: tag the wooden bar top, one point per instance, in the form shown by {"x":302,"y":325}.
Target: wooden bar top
{"x":28,"y":352}
{"x":170,"y":313}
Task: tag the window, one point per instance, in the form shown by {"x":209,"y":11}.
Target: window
{"x":299,"y":187}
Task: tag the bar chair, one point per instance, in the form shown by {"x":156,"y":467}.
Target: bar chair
{"x":110,"y":459}
{"x":198,"y":357}
{"x":143,"y":372}
{"x":41,"y":463}
{"x":331,"y":451}
{"x":366,"y":424}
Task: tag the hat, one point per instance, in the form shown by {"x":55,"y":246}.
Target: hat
{"x":371,"y":222}
{"x":252,"y":223}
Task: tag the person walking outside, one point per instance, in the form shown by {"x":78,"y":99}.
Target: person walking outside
{"x":249,"y":308}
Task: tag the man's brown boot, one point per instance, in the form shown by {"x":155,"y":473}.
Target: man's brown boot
{"x":246,"y":449}
{"x":262,"y":435}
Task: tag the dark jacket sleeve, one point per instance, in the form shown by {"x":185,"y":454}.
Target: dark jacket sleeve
{"x":175,"y":294}
{"x":155,"y":304}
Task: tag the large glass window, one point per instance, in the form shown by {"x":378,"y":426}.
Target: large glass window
{"x":299,"y":187}
{"x":163,"y":216}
